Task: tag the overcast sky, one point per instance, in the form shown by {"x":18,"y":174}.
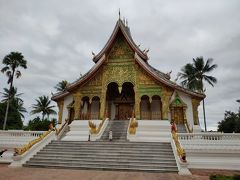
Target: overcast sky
{"x":57,"y":38}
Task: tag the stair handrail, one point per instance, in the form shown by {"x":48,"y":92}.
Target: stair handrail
{"x":187,"y":127}
{"x":179,"y":148}
{"x":61,"y":130}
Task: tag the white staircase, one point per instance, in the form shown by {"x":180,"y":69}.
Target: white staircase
{"x":152,"y":131}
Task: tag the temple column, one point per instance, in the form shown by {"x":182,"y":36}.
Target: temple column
{"x":77,"y":105}
{"x":103,"y":103}
{"x":165,"y":103}
{"x":90,"y":109}
{"x":60,"y":110}
{"x":185,"y":115}
{"x":150,"y":107}
{"x":195,"y":104}
{"x":137,"y":103}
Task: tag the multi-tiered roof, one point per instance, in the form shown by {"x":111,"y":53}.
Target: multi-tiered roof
{"x":140,"y":57}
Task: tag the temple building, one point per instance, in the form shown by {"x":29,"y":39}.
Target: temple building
{"x":123,"y":84}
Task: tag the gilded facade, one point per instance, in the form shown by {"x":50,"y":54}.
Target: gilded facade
{"x":123,"y":84}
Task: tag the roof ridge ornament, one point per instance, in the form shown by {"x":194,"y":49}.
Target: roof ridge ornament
{"x":119,"y":14}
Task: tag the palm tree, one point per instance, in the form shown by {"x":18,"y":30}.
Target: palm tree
{"x":61,"y":86}
{"x":43,"y":106}
{"x":195,"y":74}
{"x":12,"y":62}
{"x":18,"y":104}
{"x":188,"y":76}
{"x":14,"y":99}
{"x":10,"y":94}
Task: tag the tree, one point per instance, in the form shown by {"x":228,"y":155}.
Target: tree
{"x":43,"y":106}
{"x":12,"y":62}
{"x":231,"y":123}
{"x":14,"y":99}
{"x":38,"y":124}
{"x":61,"y":86}
{"x":11,"y":94}
{"x":14,"y":118}
{"x":19,"y":107}
{"x":195,"y":74}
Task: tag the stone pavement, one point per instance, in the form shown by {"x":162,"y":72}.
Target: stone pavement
{"x":23,"y":173}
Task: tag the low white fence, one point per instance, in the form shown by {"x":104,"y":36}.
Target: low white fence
{"x":212,"y":150}
{"x":209,"y":136}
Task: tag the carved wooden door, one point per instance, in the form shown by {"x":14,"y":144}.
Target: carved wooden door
{"x":178,"y":115}
{"x":124,"y":111}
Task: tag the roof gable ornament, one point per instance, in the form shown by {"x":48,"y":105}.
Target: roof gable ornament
{"x":119,"y":14}
{"x":122,"y":26}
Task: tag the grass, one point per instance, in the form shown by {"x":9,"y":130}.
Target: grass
{"x":222,"y":177}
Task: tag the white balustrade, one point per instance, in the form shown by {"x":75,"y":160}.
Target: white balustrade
{"x":17,"y":138}
{"x":20,"y":133}
{"x":212,"y":150}
{"x":209,"y":136}
{"x":210,"y":141}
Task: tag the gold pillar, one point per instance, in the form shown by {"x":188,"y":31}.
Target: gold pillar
{"x":77,"y":105}
{"x":195,"y":104}
{"x":60,"y":110}
{"x":185,"y":115}
{"x":137,"y":103}
{"x":103,"y":103}
{"x":166,"y":95}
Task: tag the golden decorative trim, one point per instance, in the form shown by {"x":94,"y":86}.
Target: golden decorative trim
{"x":180,"y":150}
{"x":133,"y":126}
{"x":195,"y":104}
{"x":93,"y":128}
{"x":60,"y":112}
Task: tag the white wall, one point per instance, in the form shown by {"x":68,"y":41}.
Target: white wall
{"x":67,"y":101}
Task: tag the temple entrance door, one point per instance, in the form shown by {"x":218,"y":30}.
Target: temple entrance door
{"x":178,"y":115}
{"x":120,"y":100}
{"x":124,"y":111}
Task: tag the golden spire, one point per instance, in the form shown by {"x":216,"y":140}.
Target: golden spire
{"x":119,"y":14}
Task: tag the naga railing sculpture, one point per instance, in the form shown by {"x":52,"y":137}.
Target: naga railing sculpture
{"x":93,"y":127}
{"x":180,"y":150}
{"x":133,"y":126}
{"x":26,"y":147}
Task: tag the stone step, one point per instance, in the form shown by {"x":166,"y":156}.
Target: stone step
{"x":120,"y":151}
{"x":113,"y":164}
{"x":73,"y":166}
{"x":113,"y":154}
{"x":115,"y":143}
{"x":118,"y":128}
{"x":162,"y":149}
{"x":107,"y":145}
{"x":105,"y":157}
{"x":103,"y":161}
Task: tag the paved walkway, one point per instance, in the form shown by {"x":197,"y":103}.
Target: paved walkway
{"x":7,"y":173}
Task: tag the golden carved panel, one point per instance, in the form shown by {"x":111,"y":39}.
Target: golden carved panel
{"x":121,"y":49}
{"x":119,"y":74}
{"x":144,"y":79}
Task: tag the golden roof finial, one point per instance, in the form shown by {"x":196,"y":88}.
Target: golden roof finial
{"x":119,"y":14}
